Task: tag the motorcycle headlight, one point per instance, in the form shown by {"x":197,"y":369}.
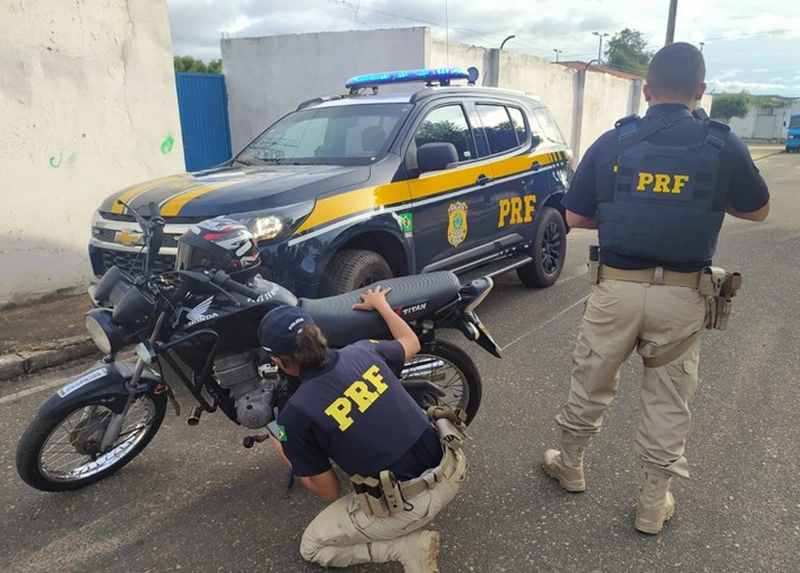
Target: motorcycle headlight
{"x":108,"y":336}
{"x":275,"y":223}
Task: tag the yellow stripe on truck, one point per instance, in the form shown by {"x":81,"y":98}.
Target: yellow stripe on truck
{"x":129,"y":194}
{"x":172,"y":207}
{"x":349,"y":203}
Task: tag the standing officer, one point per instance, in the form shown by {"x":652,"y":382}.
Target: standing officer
{"x":351,"y":408}
{"x":657,"y":189}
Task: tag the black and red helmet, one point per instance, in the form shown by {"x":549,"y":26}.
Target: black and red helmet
{"x":220,"y":244}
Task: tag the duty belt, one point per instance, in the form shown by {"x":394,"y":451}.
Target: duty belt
{"x":413,"y":487}
{"x":656,"y":276}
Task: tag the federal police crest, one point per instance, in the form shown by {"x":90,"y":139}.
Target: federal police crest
{"x":457,"y":223}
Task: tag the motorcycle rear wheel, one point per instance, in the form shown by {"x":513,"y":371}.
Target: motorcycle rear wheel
{"x":54,"y":452}
{"x":453,"y":371}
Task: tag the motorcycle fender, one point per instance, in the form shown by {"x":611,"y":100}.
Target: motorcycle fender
{"x":101,"y":384}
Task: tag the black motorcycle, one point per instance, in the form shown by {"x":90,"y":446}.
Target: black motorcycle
{"x":199,"y":326}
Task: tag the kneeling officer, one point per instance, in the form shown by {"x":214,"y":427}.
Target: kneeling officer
{"x":352,"y":409}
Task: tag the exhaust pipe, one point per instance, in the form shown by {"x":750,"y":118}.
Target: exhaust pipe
{"x":194,"y":419}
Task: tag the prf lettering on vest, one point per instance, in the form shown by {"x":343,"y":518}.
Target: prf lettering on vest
{"x":661,"y":183}
{"x":358,"y":393}
{"x":512,"y":209}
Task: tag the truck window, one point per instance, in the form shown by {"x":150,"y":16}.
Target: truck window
{"x":447,"y":124}
{"x":338,"y":135}
{"x":549,"y":126}
{"x":498,"y":128}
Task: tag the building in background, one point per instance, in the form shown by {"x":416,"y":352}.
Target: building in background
{"x":765,"y":122}
{"x":87,"y":97}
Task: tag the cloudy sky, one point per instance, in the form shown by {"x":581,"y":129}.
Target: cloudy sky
{"x":751,"y":45}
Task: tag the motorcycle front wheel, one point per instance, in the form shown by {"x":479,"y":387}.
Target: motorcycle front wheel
{"x":62,"y":453}
{"x":452,"y":371}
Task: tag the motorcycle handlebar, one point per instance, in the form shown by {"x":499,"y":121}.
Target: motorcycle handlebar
{"x":221,"y":278}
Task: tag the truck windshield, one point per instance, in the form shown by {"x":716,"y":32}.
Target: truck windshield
{"x":341,"y":135}
{"x":795,"y":121}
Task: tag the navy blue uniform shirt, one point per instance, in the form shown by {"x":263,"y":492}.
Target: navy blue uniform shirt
{"x":738,"y":179}
{"x":356,"y":412}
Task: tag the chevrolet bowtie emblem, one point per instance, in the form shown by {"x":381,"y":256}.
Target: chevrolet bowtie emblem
{"x":128,"y":238}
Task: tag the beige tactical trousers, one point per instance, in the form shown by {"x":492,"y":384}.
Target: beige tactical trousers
{"x":619,"y":317}
{"x":342,"y":535}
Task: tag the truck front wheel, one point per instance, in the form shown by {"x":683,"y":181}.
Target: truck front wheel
{"x":353,"y":269}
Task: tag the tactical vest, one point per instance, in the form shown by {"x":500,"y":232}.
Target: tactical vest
{"x":664,"y":203}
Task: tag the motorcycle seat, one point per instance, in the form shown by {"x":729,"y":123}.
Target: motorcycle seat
{"x":411,"y":297}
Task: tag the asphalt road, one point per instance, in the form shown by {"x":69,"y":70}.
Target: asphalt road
{"x":195,"y":500}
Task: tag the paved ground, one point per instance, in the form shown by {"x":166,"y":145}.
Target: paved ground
{"x":196,"y":501}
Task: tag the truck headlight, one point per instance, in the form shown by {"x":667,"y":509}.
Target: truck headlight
{"x":275,"y":223}
{"x":264,"y":228}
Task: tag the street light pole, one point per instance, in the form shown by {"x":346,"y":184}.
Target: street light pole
{"x":600,"y":47}
{"x":506,"y":40}
{"x":673,"y":12}
{"x":557,"y":51}
{"x":701,"y":46}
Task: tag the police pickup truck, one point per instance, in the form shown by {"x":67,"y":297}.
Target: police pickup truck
{"x":355,"y":188}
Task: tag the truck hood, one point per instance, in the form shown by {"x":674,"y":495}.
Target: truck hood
{"x":226,"y":190}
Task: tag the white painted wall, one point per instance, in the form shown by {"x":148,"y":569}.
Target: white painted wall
{"x":745,"y":127}
{"x":88,"y":106}
{"x":268,"y":77}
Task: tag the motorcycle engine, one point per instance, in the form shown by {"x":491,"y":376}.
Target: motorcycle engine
{"x":252,"y":394}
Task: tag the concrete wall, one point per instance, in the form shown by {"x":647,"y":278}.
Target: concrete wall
{"x":88,"y":106}
{"x":267,"y":77}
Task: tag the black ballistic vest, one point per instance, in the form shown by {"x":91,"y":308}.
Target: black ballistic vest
{"x":664,"y":204}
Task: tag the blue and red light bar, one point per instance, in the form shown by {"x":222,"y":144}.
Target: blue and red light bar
{"x":442,"y":76}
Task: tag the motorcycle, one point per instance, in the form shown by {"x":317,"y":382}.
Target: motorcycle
{"x":202,"y":325}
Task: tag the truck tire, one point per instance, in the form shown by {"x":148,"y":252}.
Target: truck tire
{"x":549,"y":250}
{"x":353,"y":269}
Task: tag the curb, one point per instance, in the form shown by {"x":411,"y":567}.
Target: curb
{"x":28,"y":362}
{"x":760,"y":157}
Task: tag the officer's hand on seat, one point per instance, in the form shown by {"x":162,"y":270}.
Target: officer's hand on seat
{"x":373,"y":299}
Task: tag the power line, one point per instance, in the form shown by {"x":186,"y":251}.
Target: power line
{"x":470,"y":32}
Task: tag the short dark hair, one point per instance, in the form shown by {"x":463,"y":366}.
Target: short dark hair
{"x":677,"y":70}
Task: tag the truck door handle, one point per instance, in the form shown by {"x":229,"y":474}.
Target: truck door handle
{"x":483,"y":180}
{"x":536,"y":166}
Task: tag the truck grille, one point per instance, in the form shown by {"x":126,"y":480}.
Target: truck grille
{"x":134,"y":262}
{"x":107,"y":236}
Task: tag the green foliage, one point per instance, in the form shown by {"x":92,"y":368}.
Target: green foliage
{"x":190,"y":64}
{"x":627,"y":51}
{"x":726,"y":106}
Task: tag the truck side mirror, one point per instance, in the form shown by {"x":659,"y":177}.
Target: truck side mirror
{"x":436,"y":157}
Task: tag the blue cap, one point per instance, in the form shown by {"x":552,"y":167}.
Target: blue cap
{"x":279,"y":329}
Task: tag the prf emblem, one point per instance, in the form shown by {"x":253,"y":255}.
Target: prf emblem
{"x":661,"y":182}
{"x":457,"y":223}
{"x":128,"y":238}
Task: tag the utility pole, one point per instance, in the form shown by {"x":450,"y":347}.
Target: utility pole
{"x":673,"y":12}
{"x":600,"y":47}
{"x":557,"y":51}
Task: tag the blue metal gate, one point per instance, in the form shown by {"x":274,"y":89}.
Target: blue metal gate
{"x":203,"y":107}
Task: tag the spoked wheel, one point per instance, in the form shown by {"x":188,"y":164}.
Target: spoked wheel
{"x":63,"y":453}
{"x":452,"y":371}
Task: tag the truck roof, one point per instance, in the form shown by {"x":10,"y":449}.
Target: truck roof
{"x":413,"y":97}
